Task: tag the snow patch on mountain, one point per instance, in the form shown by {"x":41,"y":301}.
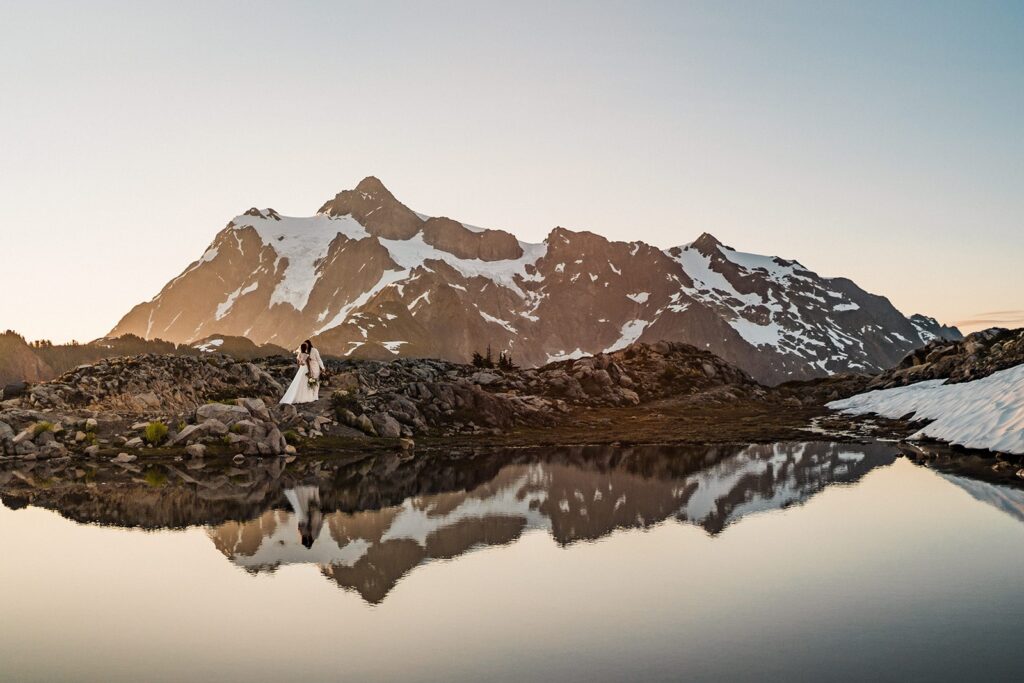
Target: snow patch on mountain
{"x":629,"y":333}
{"x":498,"y":321}
{"x":388,"y":278}
{"x":304,"y":242}
{"x":223,"y":308}
{"x":414,"y":252}
{"x":562,"y":355}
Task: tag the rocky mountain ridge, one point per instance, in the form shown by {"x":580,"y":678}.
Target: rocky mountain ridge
{"x":367,"y":277}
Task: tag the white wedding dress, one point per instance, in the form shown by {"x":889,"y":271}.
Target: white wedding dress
{"x":299,"y":391}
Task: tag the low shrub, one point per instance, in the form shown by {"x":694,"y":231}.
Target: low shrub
{"x":42,"y":426}
{"x":291,"y":437}
{"x":155,"y":433}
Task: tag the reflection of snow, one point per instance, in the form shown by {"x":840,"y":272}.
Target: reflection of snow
{"x":512,"y":501}
{"x":759,"y":480}
{"x":284,"y":546}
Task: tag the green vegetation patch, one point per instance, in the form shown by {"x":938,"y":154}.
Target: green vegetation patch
{"x":155,"y":433}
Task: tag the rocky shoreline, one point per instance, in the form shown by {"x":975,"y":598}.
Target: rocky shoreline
{"x":151,"y":405}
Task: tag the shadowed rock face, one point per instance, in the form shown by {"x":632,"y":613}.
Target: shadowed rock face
{"x":368,"y":277}
{"x":366,"y":524}
{"x":486,"y":245}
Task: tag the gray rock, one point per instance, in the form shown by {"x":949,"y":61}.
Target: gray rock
{"x":135,"y":442}
{"x":53,"y":450}
{"x":124,"y":458}
{"x":91,"y":424}
{"x":195,"y":450}
{"x":214,"y":427}
{"x":92,"y":451}
{"x":219,"y":411}
{"x":364,"y":425}
{"x":484,"y":378}
{"x":256,"y":407}
{"x":186,"y":435}
{"x":386,"y":426}
{"x":145,"y":401}
{"x":23,"y":436}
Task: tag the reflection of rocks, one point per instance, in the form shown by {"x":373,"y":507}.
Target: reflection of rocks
{"x":366,"y":523}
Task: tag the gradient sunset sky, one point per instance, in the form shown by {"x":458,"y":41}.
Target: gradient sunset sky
{"x":883,"y":142}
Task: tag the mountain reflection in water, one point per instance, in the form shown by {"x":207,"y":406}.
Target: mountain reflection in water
{"x":366,"y":524}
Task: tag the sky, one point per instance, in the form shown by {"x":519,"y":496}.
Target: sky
{"x":883,"y":142}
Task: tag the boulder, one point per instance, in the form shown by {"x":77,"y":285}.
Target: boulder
{"x":189,"y":433}
{"x":256,"y":408}
{"x":227,"y":414}
{"x":386,"y":426}
{"x":195,"y":450}
{"x":364,"y":424}
{"x":214,"y":427}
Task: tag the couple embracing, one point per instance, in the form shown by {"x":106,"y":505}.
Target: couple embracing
{"x":305,"y":388}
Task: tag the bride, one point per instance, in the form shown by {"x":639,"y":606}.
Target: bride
{"x":305,"y":388}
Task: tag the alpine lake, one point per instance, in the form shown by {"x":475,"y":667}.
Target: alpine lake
{"x":814,"y":561}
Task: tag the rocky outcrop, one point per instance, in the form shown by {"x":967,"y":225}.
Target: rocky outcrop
{"x":151,"y":383}
{"x":216,"y":400}
{"x":978,"y":355}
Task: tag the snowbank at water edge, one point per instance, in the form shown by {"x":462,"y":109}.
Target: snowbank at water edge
{"x":987,"y":413}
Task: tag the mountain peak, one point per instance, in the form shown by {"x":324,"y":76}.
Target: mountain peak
{"x":376,"y":208}
{"x":707,"y":238}
{"x":373,"y":186}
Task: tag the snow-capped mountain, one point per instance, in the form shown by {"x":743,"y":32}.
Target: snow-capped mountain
{"x":368,"y":277}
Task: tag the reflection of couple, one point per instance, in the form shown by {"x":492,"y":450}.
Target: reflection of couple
{"x":305,"y":388}
{"x":305,"y":501}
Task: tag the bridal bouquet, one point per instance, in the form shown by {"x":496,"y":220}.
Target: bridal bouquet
{"x":311,"y":382}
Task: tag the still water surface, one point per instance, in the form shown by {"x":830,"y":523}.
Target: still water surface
{"x":812,"y":561}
